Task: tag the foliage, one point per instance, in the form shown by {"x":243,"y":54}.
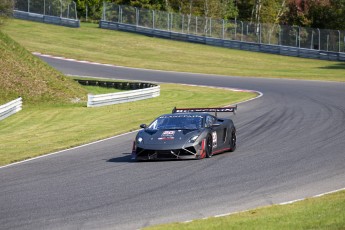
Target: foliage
{"x":329,"y":14}
{"x":6,"y":7}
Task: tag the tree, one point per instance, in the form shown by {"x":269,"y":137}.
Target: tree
{"x":6,"y":8}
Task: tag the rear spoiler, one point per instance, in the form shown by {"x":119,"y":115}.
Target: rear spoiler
{"x":231,"y":109}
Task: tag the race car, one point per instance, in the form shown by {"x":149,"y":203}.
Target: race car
{"x":187,"y":133}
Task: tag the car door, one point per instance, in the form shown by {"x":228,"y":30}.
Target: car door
{"x":217,"y":132}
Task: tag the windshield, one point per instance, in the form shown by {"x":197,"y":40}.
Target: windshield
{"x":177,"y":122}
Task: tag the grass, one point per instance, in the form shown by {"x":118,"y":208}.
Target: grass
{"x":128,"y":49}
{"x":326,"y":212}
{"x":38,"y":130}
{"x":24,"y":75}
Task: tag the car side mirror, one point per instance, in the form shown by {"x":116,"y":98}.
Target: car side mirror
{"x":143,"y":126}
{"x":216,"y":125}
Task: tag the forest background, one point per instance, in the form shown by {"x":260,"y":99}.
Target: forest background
{"x":322,"y":14}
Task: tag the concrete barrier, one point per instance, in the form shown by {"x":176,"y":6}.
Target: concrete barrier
{"x":46,"y":19}
{"x":233,"y":44}
{"x":122,"y":97}
{"x":10,"y":108}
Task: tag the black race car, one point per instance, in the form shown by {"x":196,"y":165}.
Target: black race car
{"x":191,"y":133}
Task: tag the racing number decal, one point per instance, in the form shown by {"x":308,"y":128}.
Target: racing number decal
{"x":214,"y":139}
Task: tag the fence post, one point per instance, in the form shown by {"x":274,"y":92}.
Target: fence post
{"x":28,"y":6}
{"x":136,"y":16}
{"x":60,"y":8}
{"x":235,"y":29}
{"x":312,"y":40}
{"x":299,"y":37}
{"x":339,"y":41}
{"x":103,"y":16}
{"x":280,"y":36}
{"x":153,"y":19}
{"x":327,"y":41}
{"x":182,"y":23}
{"x":259,"y":33}
{"x":196,"y":25}
{"x":319,"y":38}
{"x":44,"y":7}
{"x":210,"y":27}
{"x":223,"y":27}
{"x":242,"y":32}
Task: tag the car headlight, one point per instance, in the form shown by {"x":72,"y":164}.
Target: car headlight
{"x":140,"y":140}
{"x":193,"y":139}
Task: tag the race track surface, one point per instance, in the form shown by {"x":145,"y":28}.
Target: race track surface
{"x":291,"y":145}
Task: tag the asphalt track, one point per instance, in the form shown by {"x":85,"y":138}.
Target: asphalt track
{"x":291,"y":145}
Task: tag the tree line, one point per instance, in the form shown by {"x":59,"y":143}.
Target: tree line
{"x":323,"y":14}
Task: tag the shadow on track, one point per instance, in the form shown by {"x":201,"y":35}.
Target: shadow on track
{"x":125,"y":158}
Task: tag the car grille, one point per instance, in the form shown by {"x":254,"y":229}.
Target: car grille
{"x":165,"y":154}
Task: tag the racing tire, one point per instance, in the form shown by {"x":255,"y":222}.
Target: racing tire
{"x":208,"y":146}
{"x":233,"y":140}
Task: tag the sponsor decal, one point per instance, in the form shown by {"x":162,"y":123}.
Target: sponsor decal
{"x":214,"y":139}
{"x":166,"y":138}
{"x":167,"y":135}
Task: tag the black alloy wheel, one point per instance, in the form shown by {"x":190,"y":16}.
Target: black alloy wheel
{"x":233,"y":141}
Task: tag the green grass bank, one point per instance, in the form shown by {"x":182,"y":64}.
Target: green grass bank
{"x":326,"y":212}
{"x":27,"y":76}
{"x":128,"y":49}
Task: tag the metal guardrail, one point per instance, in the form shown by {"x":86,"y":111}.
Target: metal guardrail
{"x":122,"y":97}
{"x":235,"y":30}
{"x":249,"y":46}
{"x":46,"y":19}
{"x":10,"y":108}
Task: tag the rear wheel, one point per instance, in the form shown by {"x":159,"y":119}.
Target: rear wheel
{"x":208,"y":146}
{"x":233,"y":140}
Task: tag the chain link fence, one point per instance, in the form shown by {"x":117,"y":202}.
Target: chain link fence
{"x":272,"y":34}
{"x":56,"y":8}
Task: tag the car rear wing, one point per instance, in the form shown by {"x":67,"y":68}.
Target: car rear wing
{"x":231,"y":109}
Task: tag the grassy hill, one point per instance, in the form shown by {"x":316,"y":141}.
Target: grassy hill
{"x":133,"y":50}
{"x":24,"y":75}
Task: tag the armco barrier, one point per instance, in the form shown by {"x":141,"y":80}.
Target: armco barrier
{"x":10,"y":108}
{"x":46,"y":19}
{"x":233,"y":44}
{"x":122,"y":97}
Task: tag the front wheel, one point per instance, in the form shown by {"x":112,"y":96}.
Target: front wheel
{"x":233,"y":141}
